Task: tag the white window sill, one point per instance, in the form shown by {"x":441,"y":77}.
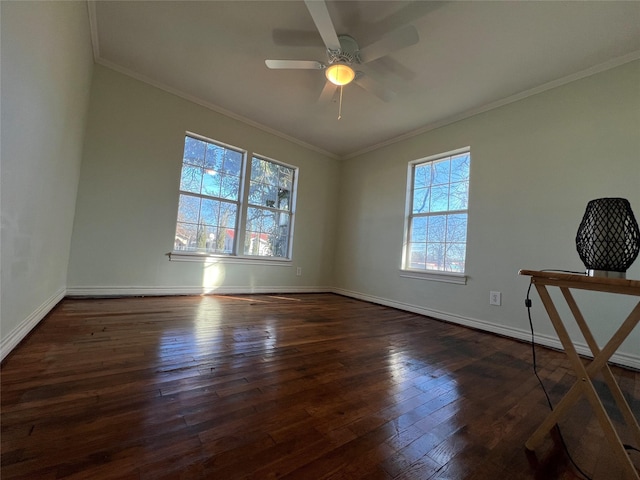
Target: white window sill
{"x":214,"y":259}
{"x":447,"y":277}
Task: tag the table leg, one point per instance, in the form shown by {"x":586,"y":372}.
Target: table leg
{"x":623,"y":406}
{"x":584,"y":385}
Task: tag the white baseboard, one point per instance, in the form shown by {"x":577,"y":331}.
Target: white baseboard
{"x":624,"y":359}
{"x":22,"y":330}
{"x":138,"y":291}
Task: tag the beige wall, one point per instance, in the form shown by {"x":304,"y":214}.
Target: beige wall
{"x":535,"y":165}
{"x":46,"y":76}
{"x":128,"y":198}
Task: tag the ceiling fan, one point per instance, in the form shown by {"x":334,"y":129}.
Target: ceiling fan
{"x":344,"y":55}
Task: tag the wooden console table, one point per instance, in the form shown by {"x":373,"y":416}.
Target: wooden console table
{"x":599,"y":363}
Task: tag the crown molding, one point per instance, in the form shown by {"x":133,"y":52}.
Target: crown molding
{"x":602,"y":67}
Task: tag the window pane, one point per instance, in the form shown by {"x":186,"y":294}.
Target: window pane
{"x":439,"y":198}
{"x":459,"y":196}
{"x":284,"y":196}
{"x":436,"y":228}
{"x":255,"y":194}
{"x":418,"y":255}
{"x":270,"y":196}
{"x":228,"y":215}
{"x":256,"y":238}
{"x":460,"y":168}
{"x":203,"y":238}
{"x":421,"y":200}
{"x":233,"y":162}
{"x":211,"y":183}
{"x":191,"y":178}
{"x":270,"y":173}
{"x":455,"y":257}
{"x":224,"y":240}
{"x":422,"y":175}
{"x":285,"y":177}
{"x":419,"y":229}
{"x":194,"y":151}
{"x":186,"y":234}
{"x":214,"y":159}
{"x":230,"y":187}
{"x":441,"y":172}
{"x":207,"y":238}
{"x":256,"y":168}
{"x":209,"y":211}
{"x":268,"y":220}
{"x":280,"y":239}
{"x":254,"y":220}
{"x":188,"y":209}
{"x":457,"y":228}
{"x":435,"y":256}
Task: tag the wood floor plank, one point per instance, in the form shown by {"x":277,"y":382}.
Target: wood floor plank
{"x":304,"y":386}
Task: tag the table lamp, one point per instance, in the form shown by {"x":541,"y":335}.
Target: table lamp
{"x":608,"y":239}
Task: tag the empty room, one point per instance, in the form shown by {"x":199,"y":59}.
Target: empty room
{"x":320,"y":240}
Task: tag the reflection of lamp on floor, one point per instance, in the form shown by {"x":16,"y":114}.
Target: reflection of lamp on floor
{"x":608,"y":239}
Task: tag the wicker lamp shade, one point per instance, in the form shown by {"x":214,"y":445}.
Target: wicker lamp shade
{"x":608,"y":239}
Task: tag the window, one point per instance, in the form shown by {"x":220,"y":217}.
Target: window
{"x":436,"y":218}
{"x":209,"y":197}
{"x":269,"y":209}
{"x":213,"y":202}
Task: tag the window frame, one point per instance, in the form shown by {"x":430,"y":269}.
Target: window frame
{"x":430,"y":274}
{"x":237,"y":255}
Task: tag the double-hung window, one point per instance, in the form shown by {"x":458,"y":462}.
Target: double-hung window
{"x":436,"y":213}
{"x":269,"y":215}
{"x":232,"y":207}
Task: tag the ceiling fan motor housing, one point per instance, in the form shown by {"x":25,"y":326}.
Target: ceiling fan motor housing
{"x":348,"y":52}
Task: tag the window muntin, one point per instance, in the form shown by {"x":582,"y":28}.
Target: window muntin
{"x":212,"y":202}
{"x":437,"y":212}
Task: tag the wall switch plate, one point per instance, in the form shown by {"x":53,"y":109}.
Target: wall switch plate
{"x":299,"y":271}
{"x":495,"y":298}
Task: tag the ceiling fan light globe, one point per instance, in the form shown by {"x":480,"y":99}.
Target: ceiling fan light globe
{"x":340,"y":74}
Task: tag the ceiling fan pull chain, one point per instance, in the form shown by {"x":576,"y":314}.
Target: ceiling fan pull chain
{"x":340,"y":106}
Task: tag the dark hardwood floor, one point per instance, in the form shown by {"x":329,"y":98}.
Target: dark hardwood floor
{"x":306,"y":386}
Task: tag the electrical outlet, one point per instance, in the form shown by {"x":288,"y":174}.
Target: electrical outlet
{"x":299,"y":271}
{"x":495,"y":298}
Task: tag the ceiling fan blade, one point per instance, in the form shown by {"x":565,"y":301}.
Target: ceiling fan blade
{"x":372,"y":86}
{"x":327,"y":92}
{"x":296,"y":64}
{"x":394,"y":40}
{"x":320,"y":14}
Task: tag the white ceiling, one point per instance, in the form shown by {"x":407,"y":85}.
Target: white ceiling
{"x":471,"y":56}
